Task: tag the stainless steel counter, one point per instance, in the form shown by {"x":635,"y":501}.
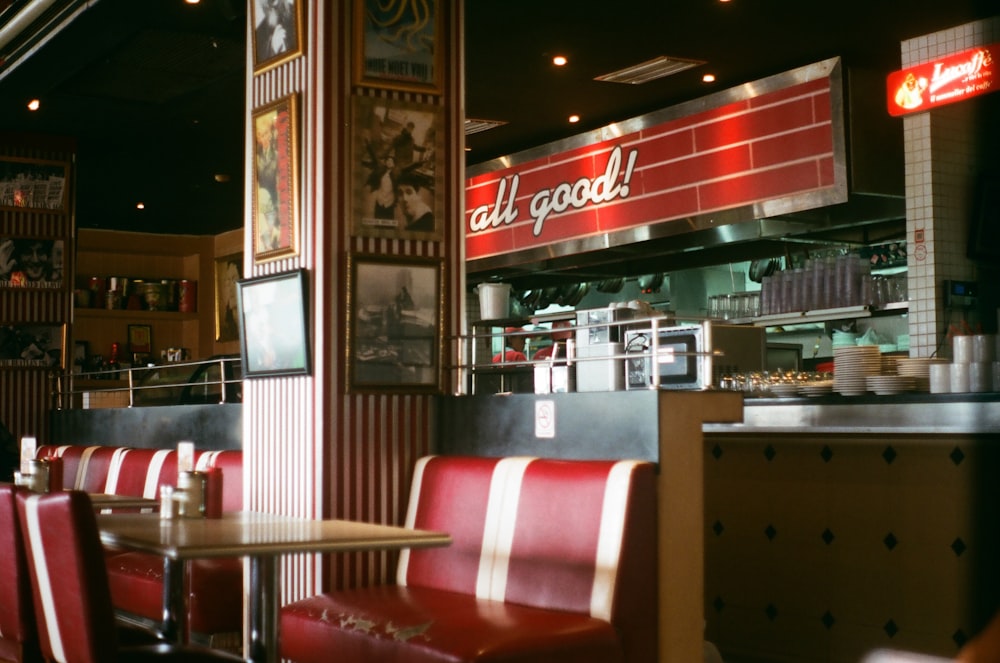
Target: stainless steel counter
{"x":901,"y":414}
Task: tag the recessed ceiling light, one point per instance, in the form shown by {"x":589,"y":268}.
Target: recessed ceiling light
{"x":559,"y":60}
{"x":573,"y":119}
{"x":140,"y":205}
{"x":708,"y":78}
{"x":649,"y":70}
{"x":222,"y":177}
{"x":192,"y":2}
{"x":34,"y":104}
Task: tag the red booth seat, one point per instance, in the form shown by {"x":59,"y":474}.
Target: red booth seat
{"x":551,"y":561}
{"x":214,"y":586}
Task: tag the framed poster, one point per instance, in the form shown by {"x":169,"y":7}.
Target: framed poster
{"x":228,"y":272}
{"x":275,"y":180}
{"x":32,"y":262}
{"x":397,"y":189}
{"x":277,"y":32}
{"x":274,"y":338}
{"x":394,"y":311}
{"x":397,"y":45}
{"x":32,"y":346}
{"x":33,"y":184}
{"x":140,"y":339}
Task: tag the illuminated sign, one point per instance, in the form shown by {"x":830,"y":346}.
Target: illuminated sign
{"x":769,"y":147}
{"x":954,"y":78}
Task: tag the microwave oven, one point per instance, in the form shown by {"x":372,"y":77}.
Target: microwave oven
{"x":691,"y":356}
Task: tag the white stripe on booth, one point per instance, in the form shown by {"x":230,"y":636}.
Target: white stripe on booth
{"x":501,"y":519}
{"x":111,"y":485}
{"x":411,"y":517}
{"x":150,"y":487}
{"x":206,"y":460}
{"x":81,"y":470}
{"x":34,"y":534}
{"x":609,"y":540}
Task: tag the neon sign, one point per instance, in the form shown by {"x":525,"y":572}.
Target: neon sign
{"x":954,"y":78}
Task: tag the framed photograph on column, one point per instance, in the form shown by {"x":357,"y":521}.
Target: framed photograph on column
{"x":398,"y":45}
{"x":276,"y":180}
{"x":277,"y":32}
{"x":274,"y":336}
{"x":397,"y":187}
{"x":394,"y":312}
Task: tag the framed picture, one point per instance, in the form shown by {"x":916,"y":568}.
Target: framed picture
{"x":228,"y":272}
{"x":32,"y":262}
{"x":397,"y":45}
{"x":32,"y":346}
{"x":33,"y":184}
{"x":397,"y":190}
{"x":277,"y":32}
{"x":394,"y":311}
{"x":140,"y":339}
{"x":275,"y":180}
{"x":272,"y":318}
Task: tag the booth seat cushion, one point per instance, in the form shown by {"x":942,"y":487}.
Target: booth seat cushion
{"x":550,"y":560}
{"x":417,"y":625}
{"x":214,"y":588}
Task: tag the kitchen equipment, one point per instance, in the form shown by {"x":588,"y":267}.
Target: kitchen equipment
{"x":494,"y":300}
{"x":600,"y":367}
{"x":691,"y":356}
{"x":601,"y":325}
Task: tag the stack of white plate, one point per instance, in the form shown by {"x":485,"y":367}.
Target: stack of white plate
{"x":784,"y":389}
{"x":885,"y":385}
{"x":816,"y":388}
{"x":852,"y":366}
{"x":918,"y":368}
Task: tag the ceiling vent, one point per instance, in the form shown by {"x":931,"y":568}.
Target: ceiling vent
{"x":649,"y":70}
{"x":473,"y":126}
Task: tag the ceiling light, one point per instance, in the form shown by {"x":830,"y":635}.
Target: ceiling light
{"x":649,"y":70}
{"x":559,"y":60}
{"x":573,"y":119}
{"x":473,"y":126}
{"x":708,"y":78}
{"x":140,"y":205}
{"x":34,"y":104}
{"x":192,"y":2}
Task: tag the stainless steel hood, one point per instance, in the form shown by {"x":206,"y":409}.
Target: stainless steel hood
{"x":870,"y":209}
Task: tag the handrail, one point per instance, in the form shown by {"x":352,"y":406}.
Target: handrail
{"x":66,"y":384}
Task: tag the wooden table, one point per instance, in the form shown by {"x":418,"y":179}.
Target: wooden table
{"x":262,"y":539}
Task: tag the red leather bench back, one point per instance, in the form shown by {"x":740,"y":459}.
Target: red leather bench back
{"x":141,"y":472}
{"x":576,"y":535}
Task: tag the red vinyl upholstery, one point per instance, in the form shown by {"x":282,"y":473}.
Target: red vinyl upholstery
{"x":552,"y":561}
{"x":72,"y":603}
{"x":18,"y":634}
{"x":214,"y":586}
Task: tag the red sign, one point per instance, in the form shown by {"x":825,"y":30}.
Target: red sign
{"x":763,"y":148}
{"x":954,"y":78}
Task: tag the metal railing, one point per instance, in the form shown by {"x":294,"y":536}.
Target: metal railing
{"x":215,"y":380}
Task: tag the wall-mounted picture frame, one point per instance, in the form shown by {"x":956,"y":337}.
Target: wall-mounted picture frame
{"x":394,"y":311}
{"x":274,"y":336}
{"x":29,"y":184}
{"x":275,"y":185}
{"x":32,"y":262}
{"x":398,"y":45}
{"x":32,"y":346}
{"x":228,"y":272}
{"x":140,"y":339}
{"x":398,"y":186}
{"x":278,"y":33}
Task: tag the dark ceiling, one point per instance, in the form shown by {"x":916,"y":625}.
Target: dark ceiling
{"x":153,"y":90}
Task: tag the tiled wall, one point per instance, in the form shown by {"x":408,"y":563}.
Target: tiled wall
{"x":941,"y":160}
